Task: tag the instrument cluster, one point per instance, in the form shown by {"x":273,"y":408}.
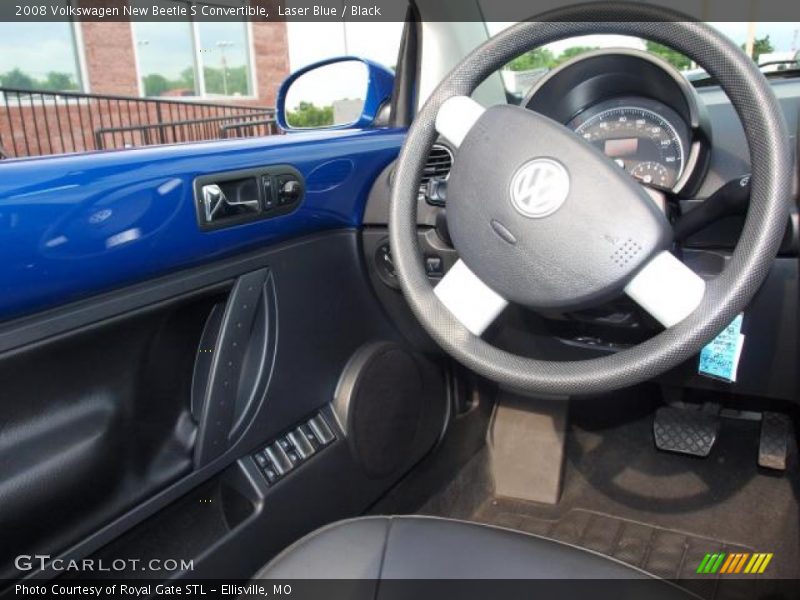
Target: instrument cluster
{"x":646,"y":138}
{"x":635,"y":108}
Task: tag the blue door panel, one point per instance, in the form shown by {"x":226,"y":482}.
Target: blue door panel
{"x":76,"y":225}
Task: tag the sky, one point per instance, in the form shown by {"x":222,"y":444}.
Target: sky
{"x":379,"y":41}
{"x":310,"y":42}
{"x":52,"y":51}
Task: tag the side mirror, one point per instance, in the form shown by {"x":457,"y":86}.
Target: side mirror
{"x":334,"y":94}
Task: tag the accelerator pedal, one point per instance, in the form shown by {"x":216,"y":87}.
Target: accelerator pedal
{"x":686,"y":430}
{"x":775,"y":443}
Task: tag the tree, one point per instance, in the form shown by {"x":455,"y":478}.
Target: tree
{"x":543,"y":58}
{"x":186,"y":80}
{"x":673,"y":57}
{"x":19,"y":80}
{"x":54,"y":82}
{"x":235,"y":80}
{"x":573,"y":51}
{"x":306,"y":114}
{"x":540,"y":58}
{"x":58,"y":82}
{"x":155,"y":84}
{"x":760,"y":46}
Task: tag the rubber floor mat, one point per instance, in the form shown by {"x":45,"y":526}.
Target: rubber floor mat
{"x":661,"y":552}
{"x":658,"y":511}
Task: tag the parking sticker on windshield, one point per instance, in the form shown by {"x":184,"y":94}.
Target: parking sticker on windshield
{"x":720,"y":358}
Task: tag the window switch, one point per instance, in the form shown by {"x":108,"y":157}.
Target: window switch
{"x":294,"y":457}
{"x":261,"y":459}
{"x":312,"y":439}
{"x":321,"y":430}
{"x":280,"y":461}
{"x":301,"y":443}
{"x":271,"y":475}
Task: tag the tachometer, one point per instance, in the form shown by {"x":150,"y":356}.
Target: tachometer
{"x":641,"y":141}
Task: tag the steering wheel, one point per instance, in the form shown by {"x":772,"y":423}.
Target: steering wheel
{"x":541,"y":218}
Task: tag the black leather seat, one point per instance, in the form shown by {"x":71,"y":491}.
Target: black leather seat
{"x":434,"y":548}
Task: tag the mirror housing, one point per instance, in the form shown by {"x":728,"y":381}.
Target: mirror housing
{"x":377,"y":91}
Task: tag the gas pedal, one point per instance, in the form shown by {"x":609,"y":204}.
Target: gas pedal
{"x":776,"y":441}
{"x":686,"y":430}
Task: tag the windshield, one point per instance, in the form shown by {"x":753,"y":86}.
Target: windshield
{"x":774,"y":46}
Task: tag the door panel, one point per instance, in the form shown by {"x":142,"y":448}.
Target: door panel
{"x":73,"y":226}
{"x":144,"y":359}
{"x":139,"y":366}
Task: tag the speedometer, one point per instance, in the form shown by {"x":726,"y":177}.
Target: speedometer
{"x":639,"y":140}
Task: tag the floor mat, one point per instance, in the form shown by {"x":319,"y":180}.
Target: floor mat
{"x":663,"y":552}
{"x":658,"y":511}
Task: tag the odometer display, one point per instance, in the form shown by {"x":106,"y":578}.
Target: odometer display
{"x":639,"y":140}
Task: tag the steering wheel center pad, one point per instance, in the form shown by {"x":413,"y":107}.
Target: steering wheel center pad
{"x":545,"y":219}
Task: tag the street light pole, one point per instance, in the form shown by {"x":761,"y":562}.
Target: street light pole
{"x":222,"y":45}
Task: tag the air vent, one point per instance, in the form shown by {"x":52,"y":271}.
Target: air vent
{"x":438,"y":165}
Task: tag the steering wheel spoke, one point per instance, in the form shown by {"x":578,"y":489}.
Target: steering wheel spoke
{"x":469,"y":299}
{"x":456,"y":117}
{"x":667,"y":289}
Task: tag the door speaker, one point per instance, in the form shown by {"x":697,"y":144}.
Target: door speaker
{"x":380,"y":403}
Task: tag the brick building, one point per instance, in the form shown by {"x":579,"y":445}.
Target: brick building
{"x":190,"y":62}
{"x":114,"y":65}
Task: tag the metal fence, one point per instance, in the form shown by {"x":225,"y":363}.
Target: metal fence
{"x":38,"y":122}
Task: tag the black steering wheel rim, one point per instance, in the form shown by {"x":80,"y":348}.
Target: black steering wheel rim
{"x":725,"y":296}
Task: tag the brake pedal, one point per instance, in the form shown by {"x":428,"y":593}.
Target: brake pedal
{"x":686,"y":431}
{"x":774,"y":445}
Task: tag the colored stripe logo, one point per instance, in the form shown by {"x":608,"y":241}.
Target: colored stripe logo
{"x":735,"y":562}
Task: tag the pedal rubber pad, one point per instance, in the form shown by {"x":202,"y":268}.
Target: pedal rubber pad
{"x":685,"y":431}
{"x":773,"y":448}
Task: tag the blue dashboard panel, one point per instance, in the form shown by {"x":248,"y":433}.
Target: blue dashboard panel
{"x":76,"y":225}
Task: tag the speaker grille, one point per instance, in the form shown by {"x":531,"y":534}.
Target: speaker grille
{"x":381,"y":398}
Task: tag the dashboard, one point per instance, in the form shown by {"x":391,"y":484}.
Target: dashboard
{"x":685,"y":143}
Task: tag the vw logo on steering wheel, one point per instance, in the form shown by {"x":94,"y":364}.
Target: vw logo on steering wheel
{"x":539,"y":188}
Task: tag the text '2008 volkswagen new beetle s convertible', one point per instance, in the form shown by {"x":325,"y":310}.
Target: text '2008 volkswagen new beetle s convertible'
{"x":512,"y":312}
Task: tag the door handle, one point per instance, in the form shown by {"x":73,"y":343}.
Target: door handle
{"x":238,"y":197}
{"x":253,"y":203}
{"x":215,"y":199}
{"x":212,"y":200}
